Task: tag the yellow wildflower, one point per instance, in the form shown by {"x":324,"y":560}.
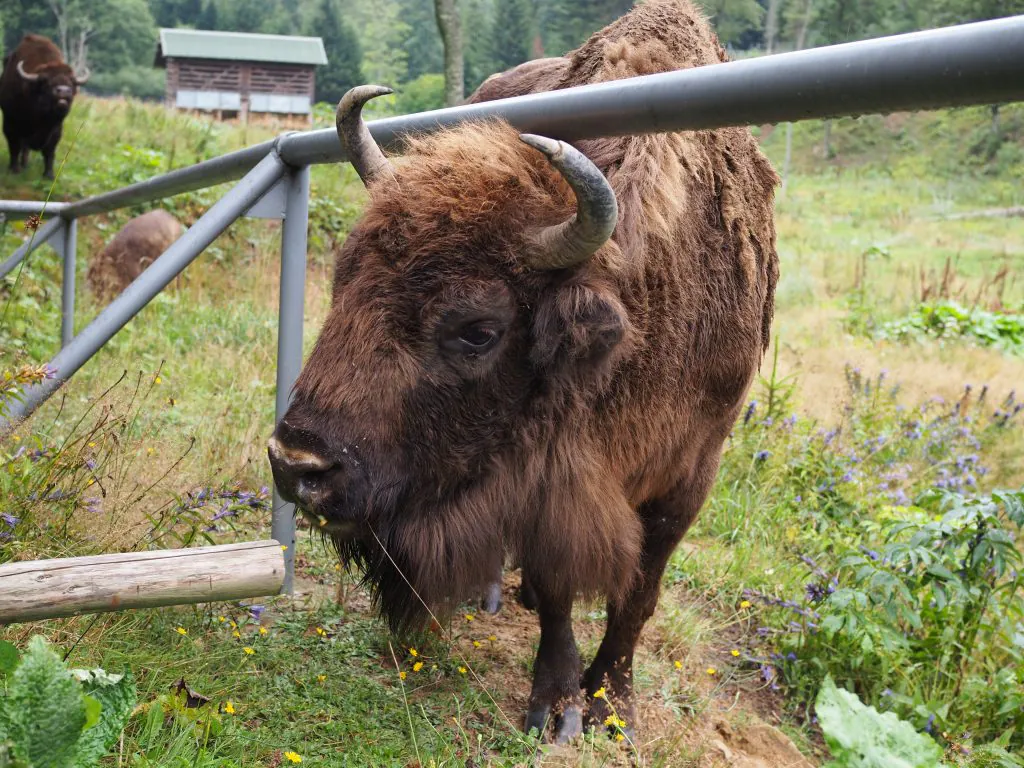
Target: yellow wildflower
{"x":321,"y":678}
{"x":236,"y":634}
{"x":92,"y":481}
{"x":679,"y":664}
{"x":229,"y":708}
{"x":462,"y":670}
{"x":619,"y":737}
{"x":284,"y":547}
{"x":249,"y":651}
{"x":476,"y":643}
{"x":157,"y":380}
{"x":221,"y":619}
{"x":233,"y":625}
{"x":293,"y":757}
{"x":610,"y":720}
{"x":735,"y":652}
{"x":320,"y":631}
{"x":150,"y":451}
{"x":181,"y":631}
{"x":417,"y":666}
{"x":712,"y":671}
{"x":492,"y":638}
{"x":413,"y":652}
{"x":469,"y":617}
{"x":263,"y":630}
{"x":599,"y":693}
{"x":337,"y":566}
{"x":92,"y":445}
{"x":401,"y":675}
{"x":745,"y":604}
{"x":15,"y":438}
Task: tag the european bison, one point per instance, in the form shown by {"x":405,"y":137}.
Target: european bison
{"x":139,"y":243}
{"x":36,"y":90}
{"x":538,"y":349}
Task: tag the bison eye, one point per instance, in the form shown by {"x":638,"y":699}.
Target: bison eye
{"x":479,"y":337}
{"x":473,"y":339}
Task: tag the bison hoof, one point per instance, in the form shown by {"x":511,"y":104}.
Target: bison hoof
{"x":491,"y":602}
{"x":527,"y":596}
{"x":568,"y":726}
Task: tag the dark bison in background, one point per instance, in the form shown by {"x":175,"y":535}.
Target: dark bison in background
{"x":538,"y":349}
{"x":36,"y":91}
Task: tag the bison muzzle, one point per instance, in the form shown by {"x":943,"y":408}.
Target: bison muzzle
{"x":536,"y":350}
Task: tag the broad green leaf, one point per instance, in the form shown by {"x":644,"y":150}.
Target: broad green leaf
{"x":8,"y":657}
{"x":862,"y":737}
{"x":46,"y":708}
{"x":117,"y":695}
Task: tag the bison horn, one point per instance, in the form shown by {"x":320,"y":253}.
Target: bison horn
{"x":24,"y":74}
{"x":83,"y":79}
{"x":362,"y":151}
{"x":574,"y":241}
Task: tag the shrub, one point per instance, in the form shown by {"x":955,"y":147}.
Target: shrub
{"x":55,"y":717}
{"x":949,"y":320}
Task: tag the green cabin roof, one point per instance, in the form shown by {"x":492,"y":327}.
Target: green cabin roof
{"x":238,"y":46}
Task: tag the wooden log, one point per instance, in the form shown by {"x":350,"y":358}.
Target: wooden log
{"x":47,"y":589}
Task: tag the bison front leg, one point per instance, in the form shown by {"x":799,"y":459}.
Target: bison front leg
{"x":665,"y":522}
{"x":14,"y":149}
{"x":556,"y":691}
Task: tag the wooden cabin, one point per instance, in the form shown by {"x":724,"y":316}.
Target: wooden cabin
{"x":240,"y":74}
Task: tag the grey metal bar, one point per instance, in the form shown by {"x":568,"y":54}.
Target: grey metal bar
{"x":981,"y":63}
{"x":147,"y":285}
{"x":294,"y":231}
{"x":67,"y":298}
{"x":208,"y":173}
{"x":42,"y":235}
{"x":30,"y":206}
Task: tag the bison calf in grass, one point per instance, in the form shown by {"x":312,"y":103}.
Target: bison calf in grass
{"x":139,"y":243}
{"x":538,"y":349}
{"x":36,"y":91}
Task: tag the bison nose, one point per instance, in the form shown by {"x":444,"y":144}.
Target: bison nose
{"x":297,"y":460}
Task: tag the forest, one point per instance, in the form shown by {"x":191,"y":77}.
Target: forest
{"x":397,"y":42}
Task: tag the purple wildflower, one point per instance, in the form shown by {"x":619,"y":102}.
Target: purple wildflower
{"x":11,"y":520}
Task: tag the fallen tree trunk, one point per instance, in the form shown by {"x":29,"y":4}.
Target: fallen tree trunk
{"x":987,"y":213}
{"x":47,"y":589}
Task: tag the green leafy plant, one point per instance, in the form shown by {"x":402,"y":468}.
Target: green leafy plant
{"x":55,"y":717}
{"x":862,"y":737}
{"x":950,"y":320}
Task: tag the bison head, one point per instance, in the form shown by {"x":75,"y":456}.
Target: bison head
{"x":55,"y":83}
{"x":445,"y":412}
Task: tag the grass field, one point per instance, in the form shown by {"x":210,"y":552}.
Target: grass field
{"x":853,"y":531}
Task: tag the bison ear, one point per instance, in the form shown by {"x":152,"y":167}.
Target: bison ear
{"x":578,"y":329}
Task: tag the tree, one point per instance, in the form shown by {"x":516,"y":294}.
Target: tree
{"x":511,"y":34}
{"x":344,"y":58}
{"x":733,"y":19}
{"x":450,"y":26}
{"x":423,"y":43}
{"x":476,"y":24}
{"x":209,"y":18}
{"x":565,"y":24}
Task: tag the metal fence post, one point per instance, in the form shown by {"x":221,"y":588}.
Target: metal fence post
{"x":289,"y":340}
{"x":67,"y":299}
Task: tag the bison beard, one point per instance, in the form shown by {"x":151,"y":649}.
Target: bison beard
{"x":501,"y":373}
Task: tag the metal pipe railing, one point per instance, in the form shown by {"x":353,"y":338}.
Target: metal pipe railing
{"x":30,"y":206}
{"x":291,"y":303}
{"x":147,"y":285}
{"x":40,"y":237}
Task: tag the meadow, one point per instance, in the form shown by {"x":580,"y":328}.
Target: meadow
{"x":865,"y":528}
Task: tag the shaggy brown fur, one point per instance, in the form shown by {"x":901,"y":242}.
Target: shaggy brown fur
{"x":139,"y":243}
{"x":34,"y":112}
{"x":585,"y":441}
